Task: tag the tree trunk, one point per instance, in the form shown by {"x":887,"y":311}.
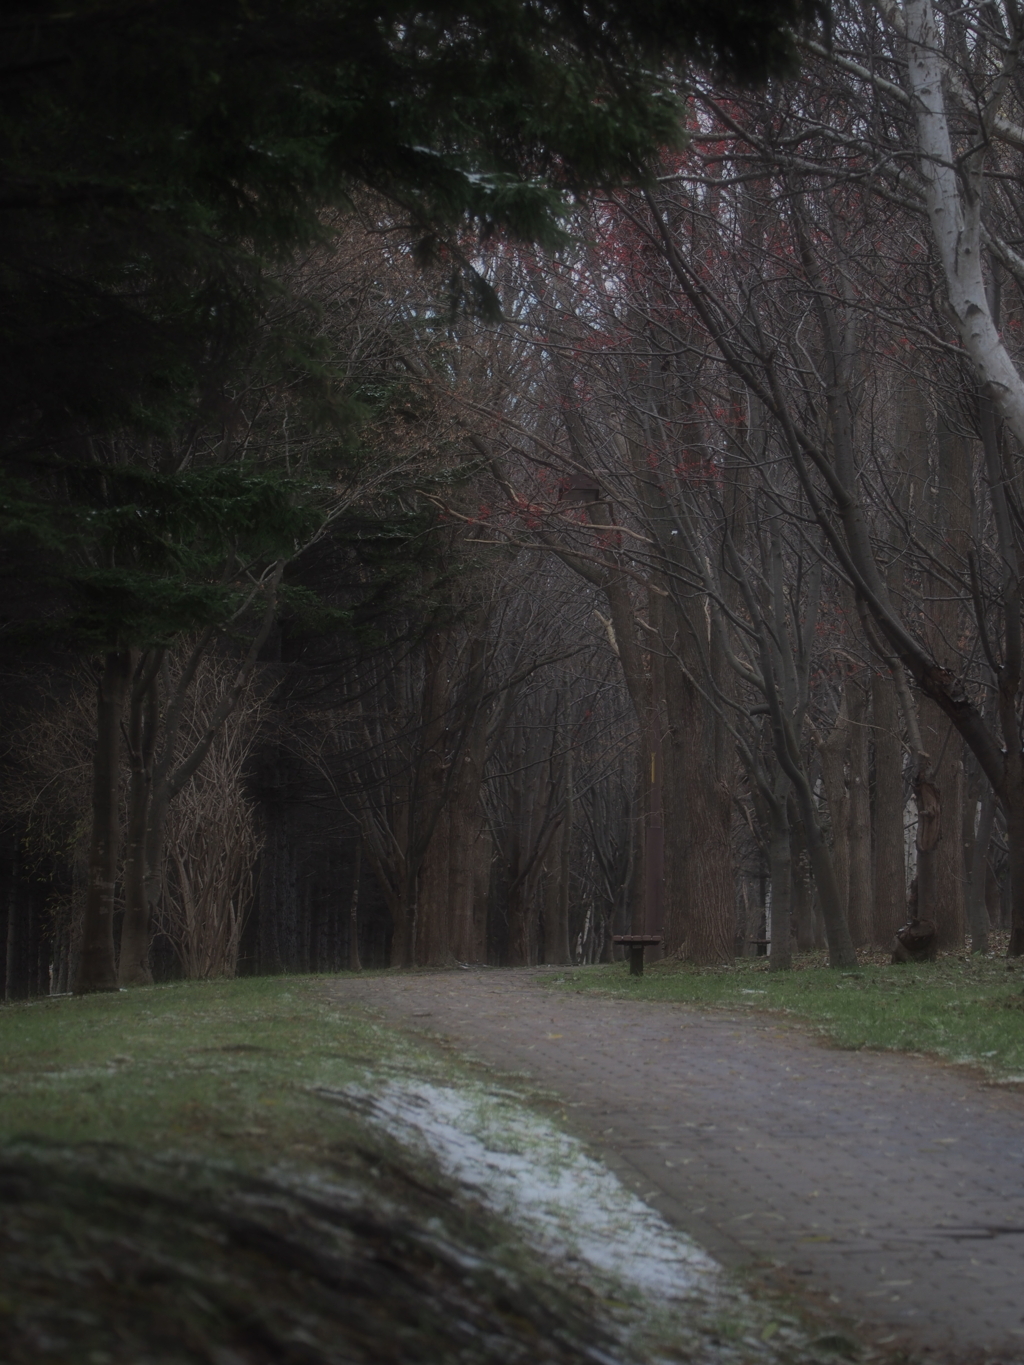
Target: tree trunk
{"x":633,"y":888}
{"x":994,"y":899}
{"x":890,"y":871}
{"x":841,"y":951}
{"x":468,"y":828}
{"x":640,"y":685}
{"x":143,"y":716}
{"x":402,"y":926}
{"x":96,"y":969}
{"x":565,"y":865}
{"x":859,"y":907}
{"x":549,"y":895}
{"x":808,"y":928}
{"x":482,"y":863}
{"x":519,"y":926}
{"x":269,"y":866}
{"x":977,"y":906}
{"x":556,"y":911}
{"x":430,"y":839}
{"x":522,"y":900}
{"x":517,"y":948}
{"x":432,"y":887}
{"x":1013,"y":810}
{"x":699,"y":918}
{"x":956,"y":214}
{"x":465,"y":830}
{"x":781,"y":872}
{"x":834,"y":751}
{"x":156,"y":829}
{"x":11,"y":936}
{"x":535,"y":817}
{"x":354,"y":964}
{"x":941,"y":891}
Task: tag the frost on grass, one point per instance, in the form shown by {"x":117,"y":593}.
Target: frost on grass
{"x":670,"y":1302}
{"x":540,"y":1179}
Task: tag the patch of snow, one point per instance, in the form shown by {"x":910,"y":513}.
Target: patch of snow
{"x":524,"y":1168}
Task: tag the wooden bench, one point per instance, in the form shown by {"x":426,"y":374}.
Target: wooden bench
{"x":636,"y":943}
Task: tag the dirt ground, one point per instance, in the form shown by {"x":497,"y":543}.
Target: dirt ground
{"x":890,"y":1186}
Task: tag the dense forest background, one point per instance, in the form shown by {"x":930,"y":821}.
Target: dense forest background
{"x":449,"y":548}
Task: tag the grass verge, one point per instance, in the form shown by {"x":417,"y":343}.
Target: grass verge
{"x":194,"y":1175}
{"x":223,"y":1068}
{"x":967,"y":1010}
{"x":180,"y":1186}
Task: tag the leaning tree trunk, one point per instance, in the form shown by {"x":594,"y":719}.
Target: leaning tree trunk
{"x":955,"y":213}
{"x":96,"y":969}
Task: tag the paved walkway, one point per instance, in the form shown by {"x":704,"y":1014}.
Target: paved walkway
{"x":890,"y":1185}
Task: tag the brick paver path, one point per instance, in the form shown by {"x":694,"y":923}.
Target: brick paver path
{"x":892,"y":1184}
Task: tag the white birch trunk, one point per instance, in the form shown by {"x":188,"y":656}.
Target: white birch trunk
{"x":954,"y":202}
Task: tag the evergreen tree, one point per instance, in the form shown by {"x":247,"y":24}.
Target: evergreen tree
{"x":154,"y":157}
{"x":158,"y":161}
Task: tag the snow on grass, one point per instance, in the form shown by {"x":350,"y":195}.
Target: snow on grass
{"x":541,"y":1179}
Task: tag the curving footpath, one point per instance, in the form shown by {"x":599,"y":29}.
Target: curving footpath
{"x":891,"y":1186}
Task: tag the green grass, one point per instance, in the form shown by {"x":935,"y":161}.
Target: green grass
{"x":169,"y":1189}
{"x":969,"y":1011}
{"x":215,"y":1068}
{"x":174,"y":1189}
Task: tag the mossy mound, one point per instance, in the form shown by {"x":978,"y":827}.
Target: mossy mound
{"x":111,"y":1257}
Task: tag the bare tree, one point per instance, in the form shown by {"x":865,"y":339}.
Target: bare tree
{"x":211,"y":843}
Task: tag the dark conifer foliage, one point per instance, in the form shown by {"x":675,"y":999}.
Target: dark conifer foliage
{"x":153,"y":157}
{"x":167,"y":172}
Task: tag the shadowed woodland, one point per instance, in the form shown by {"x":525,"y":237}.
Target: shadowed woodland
{"x":469,"y":555}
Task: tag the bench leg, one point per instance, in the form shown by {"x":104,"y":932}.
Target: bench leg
{"x":636,"y":959}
